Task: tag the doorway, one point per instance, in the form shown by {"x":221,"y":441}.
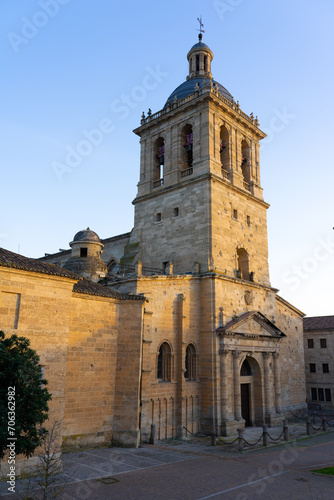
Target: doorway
{"x":245,"y":404}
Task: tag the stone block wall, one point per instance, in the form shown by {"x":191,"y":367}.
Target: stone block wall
{"x":90,"y":370}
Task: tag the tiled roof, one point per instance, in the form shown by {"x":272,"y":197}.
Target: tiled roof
{"x":83,"y":285}
{"x":91,"y":288}
{"x":16,"y":261}
{"x":319,"y":323}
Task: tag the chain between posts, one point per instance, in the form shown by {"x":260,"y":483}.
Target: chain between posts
{"x":276,"y":439}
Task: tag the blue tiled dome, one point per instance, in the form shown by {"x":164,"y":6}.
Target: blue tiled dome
{"x":189,"y":86}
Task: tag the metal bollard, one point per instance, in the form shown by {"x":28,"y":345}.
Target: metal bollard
{"x":240,"y":439}
{"x":285,"y":430}
{"x":324,"y":425}
{"x":265,"y":435}
{"x":213,"y":436}
{"x":153,"y":436}
{"x":308,"y":425}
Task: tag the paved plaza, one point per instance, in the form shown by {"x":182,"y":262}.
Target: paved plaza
{"x":194,"y":470}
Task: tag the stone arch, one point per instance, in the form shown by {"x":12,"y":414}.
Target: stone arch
{"x":242,"y":263}
{"x":251,"y":389}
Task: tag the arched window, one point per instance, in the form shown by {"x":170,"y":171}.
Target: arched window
{"x":243,"y":264}
{"x":224,"y":151}
{"x":246,"y":369}
{"x":245,"y":163}
{"x":190,"y":363}
{"x":187,"y":150}
{"x":164,"y":368}
{"x":113,"y":267}
{"x":159,"y":161}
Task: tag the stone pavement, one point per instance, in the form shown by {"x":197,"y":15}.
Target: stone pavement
{"x":195,"y":470}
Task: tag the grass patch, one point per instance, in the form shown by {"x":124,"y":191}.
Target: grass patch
{"x":329,"y":471}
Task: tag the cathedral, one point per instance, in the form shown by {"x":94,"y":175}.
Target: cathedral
{"x":175,"y":323}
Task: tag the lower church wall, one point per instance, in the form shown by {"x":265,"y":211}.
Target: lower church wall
{"x":90,"y":371}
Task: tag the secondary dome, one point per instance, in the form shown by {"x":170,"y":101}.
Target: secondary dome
{"x":86,"y":235}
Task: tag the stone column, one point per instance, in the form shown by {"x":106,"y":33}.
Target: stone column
{"x":224,"y":383}
{"x":236,"y":381}
{"x":267,"y":385}
{"x":277,"y":382}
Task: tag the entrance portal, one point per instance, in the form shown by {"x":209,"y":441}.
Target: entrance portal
{"x":252,"y":410}
{"x":245,"y":406}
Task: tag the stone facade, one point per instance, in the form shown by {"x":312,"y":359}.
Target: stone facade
{"x":80,"y":330}
{"x":207,"y":342}
{"x":319,"y":361}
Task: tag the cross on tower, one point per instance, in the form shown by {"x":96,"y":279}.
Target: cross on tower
{"x":201,"y":25}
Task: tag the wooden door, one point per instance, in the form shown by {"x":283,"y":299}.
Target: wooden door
{"x":245,"y":403}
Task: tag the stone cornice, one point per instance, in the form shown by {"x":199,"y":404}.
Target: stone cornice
{"x":187,"y":182}
{"x":201,"y":95}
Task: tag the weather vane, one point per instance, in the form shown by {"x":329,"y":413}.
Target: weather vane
{"x":201,"y":25}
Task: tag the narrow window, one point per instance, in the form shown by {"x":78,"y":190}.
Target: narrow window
{"x":197,"y":63}
{"x":158,"y":217}
{"x":321,"y":395}
{"x":206,"y":64}
{"x":190,"y":363}
{"x":310,"y":343}
{"x":164,"y":363}
{"x":328,"y":395}
{"x":323,"y":343}
{"x":165,"y":266}
{"x":235,"y":214}
{"x":314,"y":394}
{"x":176,"y":212}
{"x":325,"y":368}
{"x":243,"y":264}
{"x":312,"y":368}
{"x":248,"y":221}
{"x":83,"y":252}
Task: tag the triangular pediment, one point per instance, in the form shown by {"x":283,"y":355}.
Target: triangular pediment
{"x":251,"y":324}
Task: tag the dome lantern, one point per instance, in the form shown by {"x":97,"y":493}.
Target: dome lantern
{"x":199,"y":57}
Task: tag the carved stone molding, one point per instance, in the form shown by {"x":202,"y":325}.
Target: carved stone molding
{"x":224,"y":351}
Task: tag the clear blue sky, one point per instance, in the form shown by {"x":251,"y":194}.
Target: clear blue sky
{"x":67,"y":65}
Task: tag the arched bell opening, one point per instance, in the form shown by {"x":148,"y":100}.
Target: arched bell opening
{"x":159,"y":161}
{"x":187,"y":150}
{"x":245,"y":163}
{"x":224,"y":152}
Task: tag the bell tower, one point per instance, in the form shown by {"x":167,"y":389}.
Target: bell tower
{"x":199,"y":204}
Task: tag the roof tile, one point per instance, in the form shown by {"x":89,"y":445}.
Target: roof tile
{"x":16,"y":261}
{"x":319,"y":323}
